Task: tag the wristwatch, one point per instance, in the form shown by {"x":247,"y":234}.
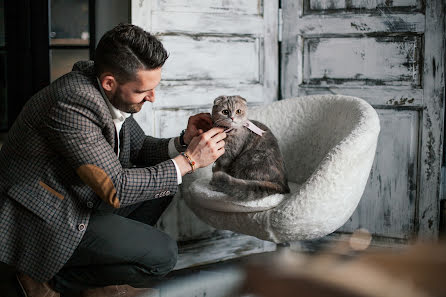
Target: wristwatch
{"x":182,"y":143}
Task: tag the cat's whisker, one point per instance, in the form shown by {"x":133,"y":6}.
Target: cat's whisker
{"x":219,"y":120}
{"x":216,"y":123}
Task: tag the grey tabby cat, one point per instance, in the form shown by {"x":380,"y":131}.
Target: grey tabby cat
{"x":252,"y":166}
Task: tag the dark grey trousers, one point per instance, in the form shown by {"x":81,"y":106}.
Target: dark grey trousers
{"x":120,"y":250}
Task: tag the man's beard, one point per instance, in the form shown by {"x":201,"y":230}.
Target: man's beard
{"x":119,"y":103}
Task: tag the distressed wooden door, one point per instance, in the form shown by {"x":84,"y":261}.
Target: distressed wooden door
{"x":390,"y":53}
{"x":216,"y":47}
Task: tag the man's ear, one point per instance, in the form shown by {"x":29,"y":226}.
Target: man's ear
{"x":108,"y":82}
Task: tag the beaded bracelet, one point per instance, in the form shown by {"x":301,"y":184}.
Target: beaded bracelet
{"x":189,"y":159}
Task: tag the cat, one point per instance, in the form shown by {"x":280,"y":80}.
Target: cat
{"x":252,"y":166}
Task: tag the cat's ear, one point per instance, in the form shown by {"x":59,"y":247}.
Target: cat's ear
{"x":219,"y":99}
{"x":242,"y":99}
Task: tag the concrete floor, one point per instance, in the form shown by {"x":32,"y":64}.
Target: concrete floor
{"x":223,"y":279}
{"x":215,"y":280}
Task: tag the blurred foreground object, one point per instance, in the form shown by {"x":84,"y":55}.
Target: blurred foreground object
{"x":416,"y":271}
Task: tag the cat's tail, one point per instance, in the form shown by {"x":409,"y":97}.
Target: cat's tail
{"x":246,"y":190}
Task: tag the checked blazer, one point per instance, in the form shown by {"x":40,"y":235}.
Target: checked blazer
{"x":58,"y":163}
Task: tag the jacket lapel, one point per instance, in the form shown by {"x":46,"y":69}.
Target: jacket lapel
{"x":124,"y":154}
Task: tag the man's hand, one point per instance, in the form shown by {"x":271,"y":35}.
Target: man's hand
{"x":203,"y":149}
{"x":207,"y":147}
{"x":196,"y":125}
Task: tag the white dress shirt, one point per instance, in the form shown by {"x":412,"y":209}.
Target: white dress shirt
{"x":119,"y":117}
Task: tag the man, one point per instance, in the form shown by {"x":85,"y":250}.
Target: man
{"x":81,"y":186}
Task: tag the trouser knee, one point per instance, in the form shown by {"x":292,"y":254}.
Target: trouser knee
{"x":170,"y":256}
{"x":165,"y":257}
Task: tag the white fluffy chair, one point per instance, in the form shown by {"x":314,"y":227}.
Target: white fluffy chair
{"x":328,"y":143}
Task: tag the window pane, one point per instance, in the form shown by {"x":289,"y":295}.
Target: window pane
{"x":2,"y":23}
{"x":62,"y":60}
{"x":3,"y":102}
{"x":69,"y":22}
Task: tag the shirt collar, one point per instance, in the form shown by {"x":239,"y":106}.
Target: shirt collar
{"x":115,"y":113}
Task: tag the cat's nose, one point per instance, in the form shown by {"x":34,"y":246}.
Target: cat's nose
{"x":232,"y":118}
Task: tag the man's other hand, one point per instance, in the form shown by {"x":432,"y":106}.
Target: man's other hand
{"x":196,"y":125}
{"x":207,"y":147}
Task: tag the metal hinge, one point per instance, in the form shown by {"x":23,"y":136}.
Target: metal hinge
{"x":280,"y":24}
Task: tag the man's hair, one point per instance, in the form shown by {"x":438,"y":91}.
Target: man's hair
{"x":126,"y":49}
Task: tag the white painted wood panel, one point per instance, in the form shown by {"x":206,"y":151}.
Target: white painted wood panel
{"x":358,"y":24}
{"x":179,"y":94}
{"x":358,"y":4}
{"x":242,"y":7}
{"x":388,"y":204}
{"x":192,"y":23}
{"x":377,"y":61}
{"x":375,"y":95}
{"x":170,"y":122}
{"x":235,"y":59}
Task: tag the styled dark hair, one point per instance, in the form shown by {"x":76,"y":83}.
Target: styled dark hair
{"x":126,"y":49}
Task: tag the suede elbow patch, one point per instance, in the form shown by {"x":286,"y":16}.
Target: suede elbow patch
{"x":100,"y":182}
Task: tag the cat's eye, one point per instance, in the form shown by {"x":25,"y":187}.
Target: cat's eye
{"x":238,"y":111}
{"x":225,"y":112}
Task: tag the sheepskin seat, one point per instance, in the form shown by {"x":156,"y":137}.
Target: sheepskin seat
{"x":328,"y":143}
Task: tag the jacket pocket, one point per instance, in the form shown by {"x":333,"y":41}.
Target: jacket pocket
{"x":37,"y":199}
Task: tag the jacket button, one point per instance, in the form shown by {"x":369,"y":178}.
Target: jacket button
{"x":167,"y":192}
{"x":81,"y":227}
{"x":90,"y":204}
{"x":157,"y":195}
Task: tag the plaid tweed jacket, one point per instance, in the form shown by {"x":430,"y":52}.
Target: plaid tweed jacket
{"x":59,"y":163}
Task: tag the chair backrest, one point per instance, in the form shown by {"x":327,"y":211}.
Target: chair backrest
{"x":308,"y":127}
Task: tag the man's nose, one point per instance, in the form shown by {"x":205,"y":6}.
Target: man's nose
{"x":151,"y":97}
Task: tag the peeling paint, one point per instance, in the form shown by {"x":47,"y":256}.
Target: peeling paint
{"x":387,"y":218}
{"x":331,"y":6}
{"x":348,"y":4}
{"x":360,"y":26}
{"x":430,"y":155}
{"x":434,"y":68}
{"x":428,"y":121}
{"x":397,"y":24}
{"x":401,"y":101}
{"x":430,"y":222}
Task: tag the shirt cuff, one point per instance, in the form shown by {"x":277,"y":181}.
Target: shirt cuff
{"x":179,"y":177}
{"x":173,"y":152}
